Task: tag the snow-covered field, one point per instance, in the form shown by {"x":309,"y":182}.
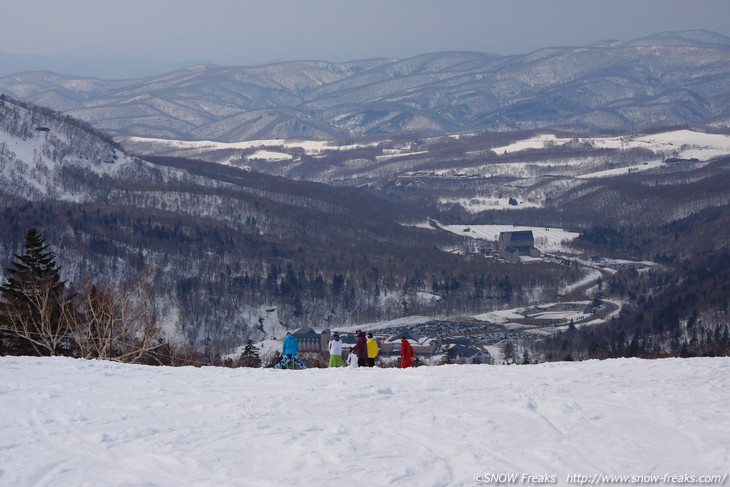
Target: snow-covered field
{"x":546,"y":239}
{"x":483,"y":203}
{"x":685,"y":143}
{"x":680,"y":143}
{"x":309,"y":146}
{"x":622,"y":170}
{"x":548,"y":312}
{"x":81,"y":423}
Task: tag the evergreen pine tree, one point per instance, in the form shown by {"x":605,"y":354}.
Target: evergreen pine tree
{"x":250,"y":356}
{"x":32,"y":299}
{"x":526,"y":358}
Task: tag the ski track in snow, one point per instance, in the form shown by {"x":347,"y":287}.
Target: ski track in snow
{"x":71,"y":422}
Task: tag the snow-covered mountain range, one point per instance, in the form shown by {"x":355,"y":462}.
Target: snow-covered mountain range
{"x":663,"y":80}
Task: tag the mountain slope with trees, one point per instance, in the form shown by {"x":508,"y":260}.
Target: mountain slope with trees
{"x":221,"y":246}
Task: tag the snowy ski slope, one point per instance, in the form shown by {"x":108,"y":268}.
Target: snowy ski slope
{"x":82,"y":423}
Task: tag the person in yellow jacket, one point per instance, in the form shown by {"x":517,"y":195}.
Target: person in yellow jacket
{"x":372,"y":350}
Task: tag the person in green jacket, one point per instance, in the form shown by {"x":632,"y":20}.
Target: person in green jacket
{"x":372,"y":350}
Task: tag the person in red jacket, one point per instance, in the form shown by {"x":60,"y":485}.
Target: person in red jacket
{"x":361,"y":349}
{"x":406,"y":353}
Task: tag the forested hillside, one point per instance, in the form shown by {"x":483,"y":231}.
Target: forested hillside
{"x":679,"y":308}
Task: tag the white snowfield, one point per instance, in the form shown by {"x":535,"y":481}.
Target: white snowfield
{"x":82,"y":423}
{"x":546,"y":239}
{"x":309,"y":146}
{"x":686,"y":143}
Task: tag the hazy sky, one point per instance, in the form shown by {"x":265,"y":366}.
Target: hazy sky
{"x":248,"y":32}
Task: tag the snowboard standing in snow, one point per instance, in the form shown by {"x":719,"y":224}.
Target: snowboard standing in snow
{"x":352,"y":360}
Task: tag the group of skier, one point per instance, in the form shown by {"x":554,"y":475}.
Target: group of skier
{"x":363,"y":354}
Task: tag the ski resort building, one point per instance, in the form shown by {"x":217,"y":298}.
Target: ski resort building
{"x":311,"y":341}
{"x":514,"y":245}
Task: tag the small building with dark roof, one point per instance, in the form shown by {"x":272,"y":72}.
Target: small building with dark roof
{"x":513,"y":245}
{"x":468,"y":355}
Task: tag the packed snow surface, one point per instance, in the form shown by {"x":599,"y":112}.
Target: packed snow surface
{"x":77,"y":423}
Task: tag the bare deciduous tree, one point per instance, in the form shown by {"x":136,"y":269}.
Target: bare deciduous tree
{"x":116,"y":323}
{"x":41,"y":319}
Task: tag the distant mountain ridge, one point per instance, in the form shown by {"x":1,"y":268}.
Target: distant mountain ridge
{"x":669,"y":79}
{"x":687,"y":38}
